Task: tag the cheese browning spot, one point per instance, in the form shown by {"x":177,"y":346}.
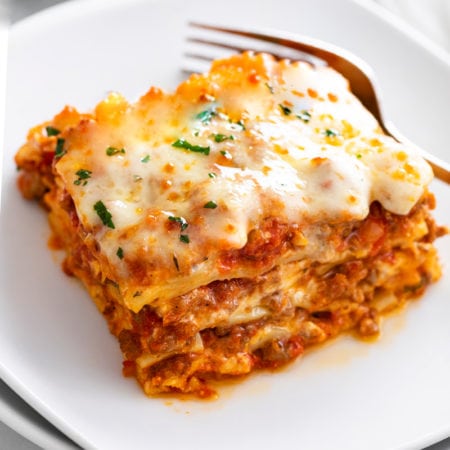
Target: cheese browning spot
{"x":230,"y":228}
{"x":332,"y":97}
{"x":352,"y":199}
{"x":169,"y":168}
{"x":402,"y":156}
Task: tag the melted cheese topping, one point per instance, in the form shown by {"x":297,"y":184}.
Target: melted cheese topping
{"x":184,"y":176}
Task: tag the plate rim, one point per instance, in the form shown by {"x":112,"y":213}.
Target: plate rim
{"x":40,"y":434}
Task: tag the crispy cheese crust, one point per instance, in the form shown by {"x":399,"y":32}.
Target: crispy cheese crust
{"x":256,"y":211}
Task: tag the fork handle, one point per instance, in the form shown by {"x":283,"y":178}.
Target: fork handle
{"x":440,"y":168}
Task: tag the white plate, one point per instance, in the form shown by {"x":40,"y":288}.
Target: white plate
{"x":55,"y":350}
{"x":18,"y":415}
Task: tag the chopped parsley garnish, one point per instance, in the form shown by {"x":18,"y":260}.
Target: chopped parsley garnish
{"x":241,"y":124}
{"x":59,"y":150}
{"x":304,"y":115}
{"x":119,"y":252}
{"x":359,"y":156}
{"x":145,"y":159}
{"x":184,"y":238}
{"x":226,"y":154}
{"x":285,"y":109}
{"x":233,"y":125}
{"x":182,"y":143}
{"x":104,"y":214}
{"x":83,"y":176}
{"x":212,"y":175}
{"x":175,"y":261}
{"x":206,"y":116}
{"x":223,"y":137}
{"x":181,"y":220}
{"x":111,"y":151}
{"x":269,"y":87}
{"x":210,"y":205}
{"x":331,"y":133}
{"x":52,"y":131}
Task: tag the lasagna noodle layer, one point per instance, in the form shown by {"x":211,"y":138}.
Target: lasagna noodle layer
{"x":277,"y":238}
{"x":231,"y":327}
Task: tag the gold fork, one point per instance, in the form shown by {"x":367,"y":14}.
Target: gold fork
{"x":355,"y":70}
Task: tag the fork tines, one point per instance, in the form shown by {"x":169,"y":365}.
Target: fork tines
{"x":203,"y":45}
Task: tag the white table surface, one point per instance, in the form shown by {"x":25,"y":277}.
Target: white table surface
{"x":432,"y":17}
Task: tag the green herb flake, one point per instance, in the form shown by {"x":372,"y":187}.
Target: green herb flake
{"x":234,"y":125}
{"x":184,"y":238}
{"x":83,"y":176}
{"x":269,"y":87}
{"x":52,"y":131}
{"x":285,"y":109}
{"x":212,"y":175}
{"x":241,"y":124}
{"x":145,"y":159}
{"x":181,"y":220}
{"x":175,"y":261}
{"x":119,"y":253}
{"x":210,"y":205}
{"x":182,"y":143}
{"x":226,"y":154}
{"x":359,"y":156}
{"x":304,"y":115}
{"x":111,"y":151}
{"x":331,"y":133}
{"x":104,"y":214}
{"x":59,"y":150}
{"x":206,"y":116}
{"x":220,"y":137}
{"x":223,"y":137}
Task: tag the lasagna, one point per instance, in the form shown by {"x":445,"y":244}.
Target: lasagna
{"x":226,"y":227}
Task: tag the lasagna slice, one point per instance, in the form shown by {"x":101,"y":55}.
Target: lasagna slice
{"x":256,"y":211}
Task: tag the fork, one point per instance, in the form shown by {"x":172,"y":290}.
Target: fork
{"x":288,"y":45}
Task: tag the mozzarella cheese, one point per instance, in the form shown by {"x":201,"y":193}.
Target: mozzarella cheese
{"x":183,"y":176}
